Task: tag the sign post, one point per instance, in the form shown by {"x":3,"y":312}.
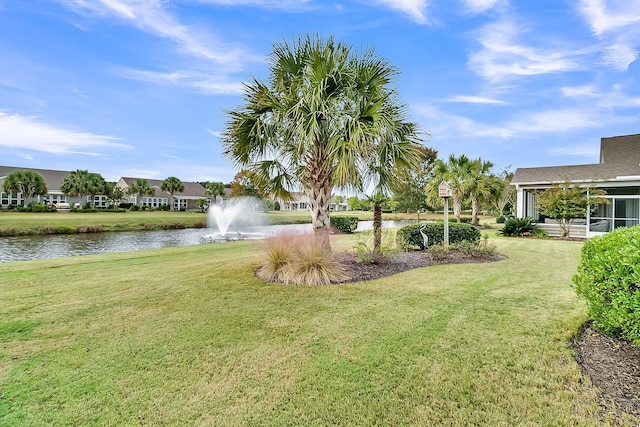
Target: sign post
{"x":445,"y":191}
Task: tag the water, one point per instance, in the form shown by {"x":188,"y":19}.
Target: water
{"x":24,"y":248}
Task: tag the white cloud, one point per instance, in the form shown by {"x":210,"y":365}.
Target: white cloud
{"x":28,"y":133}
{"x":604,"y":16}
{"x":562,"y":120}
{"x":474,"y":100}
{"x":153,"y":17}
{"x":215,"y":85}
{"x":579,"y":91}
{"x":290,"y":5}
{"x":217,"y":134}
{"x":415,"y":9}
{"x":479,"y":6}
{"x":620,"y":56}
{"x":502,"y":56}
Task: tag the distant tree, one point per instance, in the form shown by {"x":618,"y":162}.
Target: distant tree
{"x":28,"y":183}
{"x":480,"y":186}
{"x":140,"y":187}
{"x":114,"y":194}
{"x":408,"y":191}
{"x":172,"y":185}
{"x":214,"y":189}
{"x":505,"y":194}
{"x":203,"y":203}
{"x":356,"y":204}
{"x":566,"y":201}
{"x":81,"y":183}
{"x":246,"y":183}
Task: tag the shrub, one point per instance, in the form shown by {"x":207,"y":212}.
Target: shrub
{"x":344,"y":224}
{"x":409,"y":236}
{"x":134,"y":208}
{"x":299,"y":260}
{"x":520,"y":227}
{"x":608,"y":277}
{"x":501,"y":219}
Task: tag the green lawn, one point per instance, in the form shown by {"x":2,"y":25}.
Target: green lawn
{"x":13,"y":223}
{"x":188,"y":336}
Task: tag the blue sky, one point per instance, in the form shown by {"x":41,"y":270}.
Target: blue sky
{"x":140,"y":87}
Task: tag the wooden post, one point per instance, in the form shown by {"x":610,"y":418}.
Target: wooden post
{"x":446,"y":222}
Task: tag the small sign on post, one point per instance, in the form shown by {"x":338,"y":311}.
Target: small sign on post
{"x":445,"y":191}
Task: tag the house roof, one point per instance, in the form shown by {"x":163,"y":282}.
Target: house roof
{"x":52,"y":178}
{"x":619,"y":157}
{"x":191,"y":189}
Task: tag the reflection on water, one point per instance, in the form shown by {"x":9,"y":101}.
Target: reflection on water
{"x":23,"y":248}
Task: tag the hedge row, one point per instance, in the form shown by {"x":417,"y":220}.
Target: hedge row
{"x":608,"y":278}
{"x":410,"y":236}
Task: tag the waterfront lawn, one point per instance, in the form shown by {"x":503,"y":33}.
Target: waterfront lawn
{"x":14,"y":223}
{"x":188,"y":336}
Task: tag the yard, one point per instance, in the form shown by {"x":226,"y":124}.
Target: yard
{"x":188,"y":336}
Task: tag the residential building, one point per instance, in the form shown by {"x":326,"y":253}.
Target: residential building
{"x":184,"y":200}
{"x":53,"y":179}
{"x":618,"y":173}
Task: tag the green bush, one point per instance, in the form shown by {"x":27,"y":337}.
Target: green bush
{"x":134,"y":208}
{"x":608,"y":278}
{"x":409,"y":236}
{"x":520,"y":227}
{"x":344,"y":224}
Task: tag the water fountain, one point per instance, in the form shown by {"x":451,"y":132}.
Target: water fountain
{"x":234,"y":220}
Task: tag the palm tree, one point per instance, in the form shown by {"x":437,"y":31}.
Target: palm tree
{"x":481,"y":185}
{"x":317,"y":123}
{"x":27,"y":183}
{"x":81,"y":183}
{"x":140,"y":187}
{"x":214,"y":189}
{"x":172,"y":185}
{"x":95,"y":185}
{"x":457,"y":173}
{"x":114,"y":193}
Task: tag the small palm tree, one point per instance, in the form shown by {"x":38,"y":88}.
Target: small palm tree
{"x":172,"y":185}
{"x":140,"y":187}
{"x":214,"y":189}
{"x":27,"y":183}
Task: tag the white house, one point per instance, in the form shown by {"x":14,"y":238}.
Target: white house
{"x":618,"y":173}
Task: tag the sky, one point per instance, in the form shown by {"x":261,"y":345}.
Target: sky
{"x":142,"y":88}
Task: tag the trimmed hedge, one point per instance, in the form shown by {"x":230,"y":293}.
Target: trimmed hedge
{"x":608,"y":278}
{"x":344,"y":224}
{"x":409,"y":235}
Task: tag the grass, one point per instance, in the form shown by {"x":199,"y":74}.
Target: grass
{"x":188,"y":336}
{"x":25,"y":223}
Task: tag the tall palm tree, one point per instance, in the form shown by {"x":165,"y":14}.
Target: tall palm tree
{"x":456,"y":171}
{"x":27,"y":183}
{"x":140,"y":187}
{"x":172,"y":185}
{"x":315,"y":125}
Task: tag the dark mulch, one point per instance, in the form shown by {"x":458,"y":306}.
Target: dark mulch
{"x":403,"y":261}
{"x":612,"y":365}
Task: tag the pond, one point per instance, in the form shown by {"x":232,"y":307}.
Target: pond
{"x":24,"y":248}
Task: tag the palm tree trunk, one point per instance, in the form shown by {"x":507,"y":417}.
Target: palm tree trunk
{"x":475,"y":207}
{"x":457,"y":207}
{"x":319,"y":200}
{"x":377,"y":229}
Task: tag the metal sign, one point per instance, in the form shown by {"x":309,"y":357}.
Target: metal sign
{"x":444,"y":190}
